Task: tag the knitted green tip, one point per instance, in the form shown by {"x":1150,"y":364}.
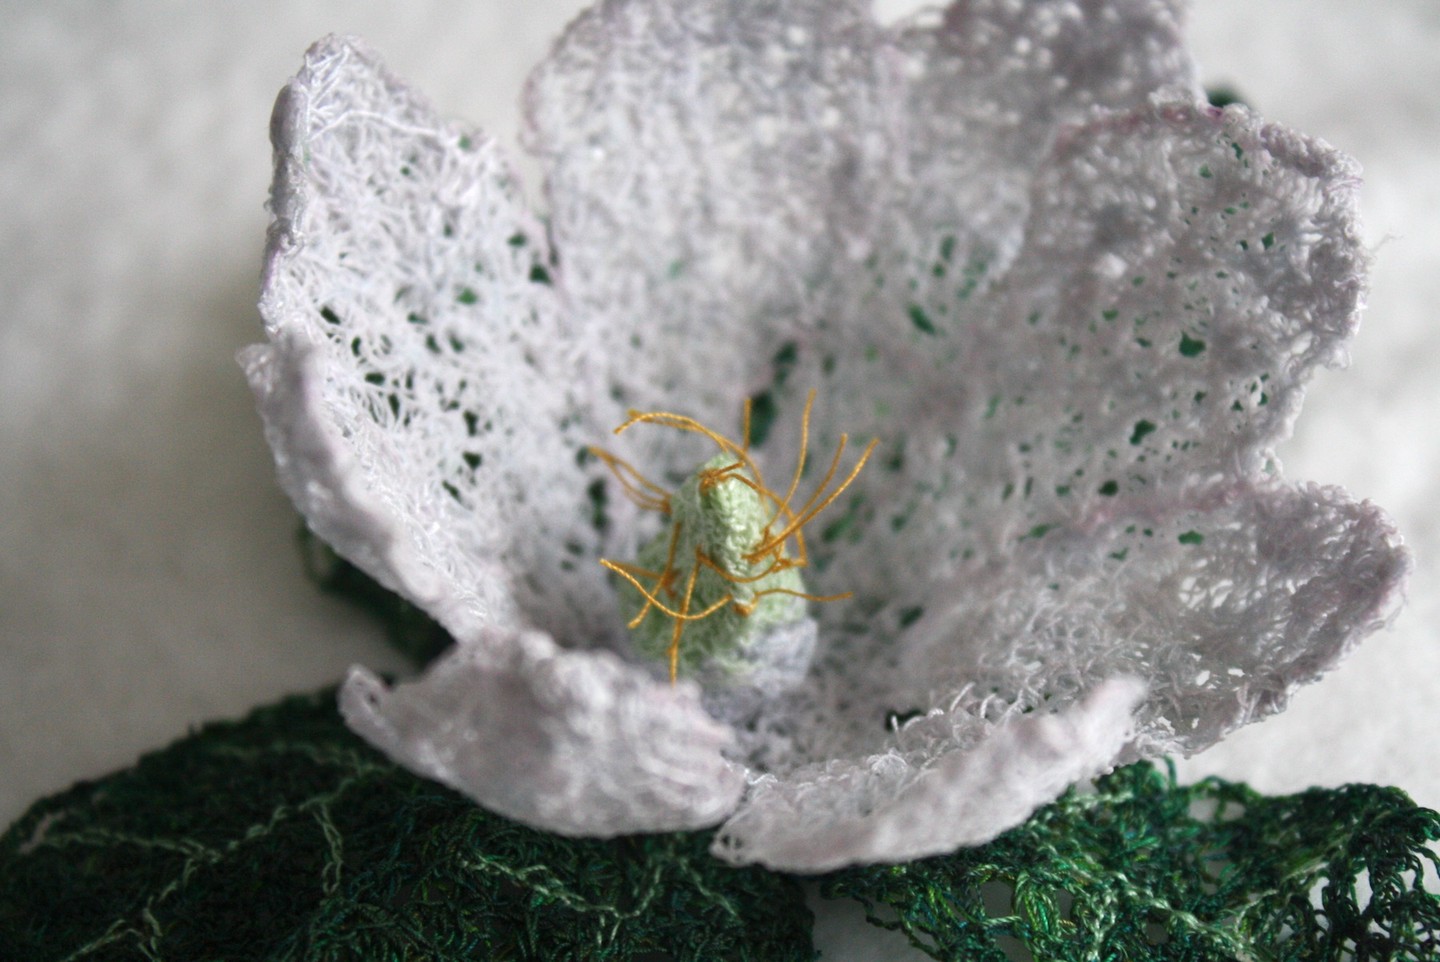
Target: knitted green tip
{"x":728,"y":600}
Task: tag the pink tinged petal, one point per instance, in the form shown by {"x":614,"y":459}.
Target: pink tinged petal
{"x":1183,"y":272}
{"x":417,"y":382}
{"x":886,"y":808}
{"x":1285,"y":583}
{"x":572,"y":742}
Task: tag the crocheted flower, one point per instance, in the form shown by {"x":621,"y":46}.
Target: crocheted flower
{"x":1074,"y":306}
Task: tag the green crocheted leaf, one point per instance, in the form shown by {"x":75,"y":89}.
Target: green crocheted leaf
{"x":1143,"y":868}
{"x":284,"y":837}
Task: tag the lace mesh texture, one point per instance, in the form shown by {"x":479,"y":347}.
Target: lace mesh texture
{"x":282,"y":836}
{"x":1076,"y":306}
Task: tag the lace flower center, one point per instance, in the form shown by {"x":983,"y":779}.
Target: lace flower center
{"x":725,"y":571}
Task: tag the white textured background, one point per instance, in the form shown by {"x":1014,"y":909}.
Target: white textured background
{"x":148,"y":577}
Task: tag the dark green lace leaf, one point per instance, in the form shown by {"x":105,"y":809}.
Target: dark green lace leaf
{"x":1142,"y":868}
{"x":284,"y":837}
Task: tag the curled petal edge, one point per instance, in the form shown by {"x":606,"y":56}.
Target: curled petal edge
{"x":965,"y":797}
{"x":574,"y":742}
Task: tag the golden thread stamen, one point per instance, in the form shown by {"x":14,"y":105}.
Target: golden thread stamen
{"x":683,"y":423}
{"x":674,"y":651}
{"x":775,"y":544}
{"x":640,"y":489}
{"x":680,"y":615}
{"x":663,"y":579}
{"x":749,"y":609}
{"x":670,"y":556}
{"x":799,"y":461}
{"x":808,"y":513}
{"x":650,"y":496}
{"x":711,"y":478}
{"x":777,"y":566}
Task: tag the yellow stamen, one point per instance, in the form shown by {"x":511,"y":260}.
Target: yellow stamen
{"x":711,"y":478}
{"x":674,"y":652}
{"x":799,"y":461}
{"x":683,"y":423}
{"x":650,"y":599}
{"x":640,"y":489}
{"x":777,"y":565}
{"x":808,"y":513}
{"x":650,"y":496}
{"x":749,"y":609}
{"x":663,"y":578}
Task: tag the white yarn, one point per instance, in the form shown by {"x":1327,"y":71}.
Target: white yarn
{"x":1076,"y":307}
{"x":578,"y":741}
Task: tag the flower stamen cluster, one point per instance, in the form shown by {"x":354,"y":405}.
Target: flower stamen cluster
{"x":719,"y":506}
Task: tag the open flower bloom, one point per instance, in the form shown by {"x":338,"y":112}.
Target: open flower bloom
{"x":1074,"y":305}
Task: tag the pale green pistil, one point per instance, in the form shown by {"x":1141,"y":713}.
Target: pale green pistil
{"x":716,"y":523}
{"x":717,"y":591}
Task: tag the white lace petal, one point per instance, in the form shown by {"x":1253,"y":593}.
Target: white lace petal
{"x":1076,"y":307}
{"x":416,"y":387}
{"x":1225,"y":605}
{"x":705,"y":163}
{"x":881,"y":809}
{"x":574,"y":742}
{"x":1183,"y":272}
{"x":989,"y":87}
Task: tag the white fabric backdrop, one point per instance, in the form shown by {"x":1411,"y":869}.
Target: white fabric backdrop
{"x":148,"y":577}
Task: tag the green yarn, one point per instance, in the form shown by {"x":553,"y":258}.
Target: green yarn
{"x":284,"y":837}
{"x":1143,"y":868}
